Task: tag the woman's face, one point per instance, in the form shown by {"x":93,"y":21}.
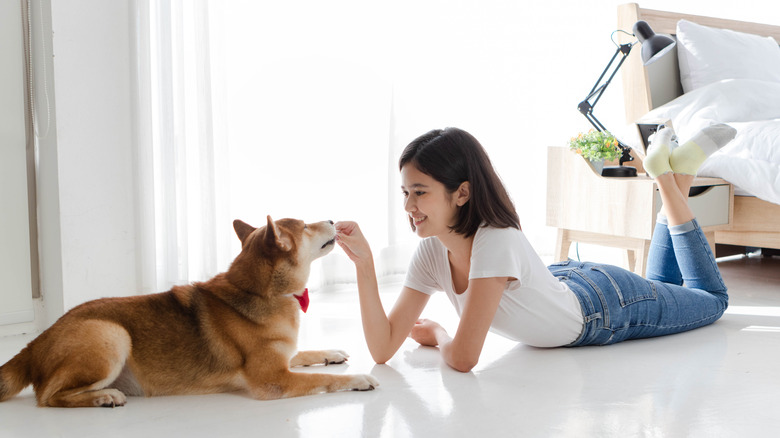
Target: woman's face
{"x":426,"y":201}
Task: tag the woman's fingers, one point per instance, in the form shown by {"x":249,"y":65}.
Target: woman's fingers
{"x":351,"y":240}
{"x":346,"y":227}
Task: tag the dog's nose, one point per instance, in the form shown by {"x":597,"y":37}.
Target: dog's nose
{"x":331,"y":222}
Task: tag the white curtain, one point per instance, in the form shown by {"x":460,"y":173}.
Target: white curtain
{"x":301,"y":109}
{"x":184,"y":225}
{"x":248,"y":121}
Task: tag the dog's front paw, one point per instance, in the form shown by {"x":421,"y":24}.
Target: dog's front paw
{"x":364,"y":382}
{"x":335,"y":356}
{"x":320,"y":357}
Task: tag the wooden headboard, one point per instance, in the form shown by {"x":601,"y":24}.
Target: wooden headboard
{"x":645,"y":88}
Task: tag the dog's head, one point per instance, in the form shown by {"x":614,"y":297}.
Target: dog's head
{"x":275,"y":259}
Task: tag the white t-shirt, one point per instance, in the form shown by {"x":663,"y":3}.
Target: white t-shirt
{"x":536,"y":309}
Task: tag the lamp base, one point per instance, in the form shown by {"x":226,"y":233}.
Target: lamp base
{"x":619,"y":171}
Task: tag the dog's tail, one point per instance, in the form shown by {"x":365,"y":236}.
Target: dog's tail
{"x":15,"y":375}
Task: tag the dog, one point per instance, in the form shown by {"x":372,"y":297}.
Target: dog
{"x":237,"y":331}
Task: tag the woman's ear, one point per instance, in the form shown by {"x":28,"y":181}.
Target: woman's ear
{"x":463,"y":194}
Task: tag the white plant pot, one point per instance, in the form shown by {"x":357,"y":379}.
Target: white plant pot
{"x":597,"y":165}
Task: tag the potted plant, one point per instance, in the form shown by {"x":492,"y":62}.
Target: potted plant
{"x":596,"y":147}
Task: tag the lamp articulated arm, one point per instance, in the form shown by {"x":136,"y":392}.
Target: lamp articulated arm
{"x":654,"y":46}
{"x":587,"y":105}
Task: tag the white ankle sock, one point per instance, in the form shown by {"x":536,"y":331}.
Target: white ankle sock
{"x":657,"y":160}
{"x":687,"y":158}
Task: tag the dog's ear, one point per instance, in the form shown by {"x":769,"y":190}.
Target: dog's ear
{"x":243,"y":229}
{"x":274,"y":238}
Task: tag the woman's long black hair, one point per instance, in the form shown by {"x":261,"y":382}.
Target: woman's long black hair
{"x":453,"y":156}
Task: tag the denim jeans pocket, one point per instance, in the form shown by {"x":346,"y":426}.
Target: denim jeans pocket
{"x":629,"y":287}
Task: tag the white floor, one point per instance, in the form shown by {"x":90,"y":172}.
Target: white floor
{"x":721,"y":380}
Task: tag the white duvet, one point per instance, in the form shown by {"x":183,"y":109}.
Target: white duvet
{"x":752,"y":160}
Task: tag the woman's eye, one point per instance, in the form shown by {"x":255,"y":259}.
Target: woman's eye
{"x":419,"y":193}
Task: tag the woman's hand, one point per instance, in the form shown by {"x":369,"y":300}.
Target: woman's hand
{"x":352,"y":241}
{"x":425,"y":332}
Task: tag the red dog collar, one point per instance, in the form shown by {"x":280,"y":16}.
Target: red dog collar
{"x":303,"y":300}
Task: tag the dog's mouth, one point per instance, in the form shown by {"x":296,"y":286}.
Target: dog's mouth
{"x":329,"y":242}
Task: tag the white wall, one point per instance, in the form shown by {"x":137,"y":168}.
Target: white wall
{"x":16,"y":304}
{"x":86,"y":180}
{"x":94,"y":142}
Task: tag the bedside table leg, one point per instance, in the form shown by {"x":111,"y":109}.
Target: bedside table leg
{"x":710,"y":235}
{"x":641,"y":257}
{"x":562,"y":245}
{"x":630,"y":259}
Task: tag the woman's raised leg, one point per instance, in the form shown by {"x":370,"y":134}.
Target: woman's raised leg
{"x":661,"y":261}
{"x":692,"y":252}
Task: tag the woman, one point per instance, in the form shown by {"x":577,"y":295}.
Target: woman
{"x":474,"y":250}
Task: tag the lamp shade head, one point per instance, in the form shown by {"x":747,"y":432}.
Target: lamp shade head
{"x":654,"y":46}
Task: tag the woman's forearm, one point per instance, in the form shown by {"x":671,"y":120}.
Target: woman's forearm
{"x":376,"y":326}
{"x":382,"y":340}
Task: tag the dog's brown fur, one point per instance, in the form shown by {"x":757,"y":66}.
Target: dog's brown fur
{"x":237,"y":331}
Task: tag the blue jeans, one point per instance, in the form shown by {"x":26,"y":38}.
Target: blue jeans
{"x":618,"y":305}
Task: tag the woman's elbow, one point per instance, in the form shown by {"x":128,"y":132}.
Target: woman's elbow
{"x":381,"y":357}
{"x":464,"y":366}
{"x":458,"y":359}
{"x":462,"y":362}
{"x":380,"y":360}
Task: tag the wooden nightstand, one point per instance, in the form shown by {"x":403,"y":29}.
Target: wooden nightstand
{"x":620,"y":212}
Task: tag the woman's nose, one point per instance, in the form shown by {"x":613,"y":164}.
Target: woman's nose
{"x":409,"y":206}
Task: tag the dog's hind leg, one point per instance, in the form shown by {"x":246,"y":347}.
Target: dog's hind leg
{"x":87,"y":359}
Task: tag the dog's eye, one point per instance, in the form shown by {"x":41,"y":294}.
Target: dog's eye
{"x":305,"y":227}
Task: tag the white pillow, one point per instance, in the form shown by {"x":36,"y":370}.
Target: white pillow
{"x":728,"y":101}
{"x":710,"y":55}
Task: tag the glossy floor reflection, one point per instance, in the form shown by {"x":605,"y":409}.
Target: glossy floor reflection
{"x":721,"y":380}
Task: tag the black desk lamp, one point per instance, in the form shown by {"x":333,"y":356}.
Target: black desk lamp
{"x":653,"y":47}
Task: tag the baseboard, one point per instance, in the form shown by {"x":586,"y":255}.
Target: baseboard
{"x":34,"y":326}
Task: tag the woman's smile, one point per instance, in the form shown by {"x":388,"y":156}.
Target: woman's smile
{"x":419,"y":220}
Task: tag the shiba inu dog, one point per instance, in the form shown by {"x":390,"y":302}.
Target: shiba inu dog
{"x":237,"y":331}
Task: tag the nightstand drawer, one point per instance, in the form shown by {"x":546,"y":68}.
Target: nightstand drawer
{"x":711,"y":206}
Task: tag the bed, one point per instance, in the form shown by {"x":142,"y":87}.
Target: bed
{"x":750,"y":104}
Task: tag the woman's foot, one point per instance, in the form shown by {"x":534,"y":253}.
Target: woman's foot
{"x":687,"y":158}
{"x":658,"y":153}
